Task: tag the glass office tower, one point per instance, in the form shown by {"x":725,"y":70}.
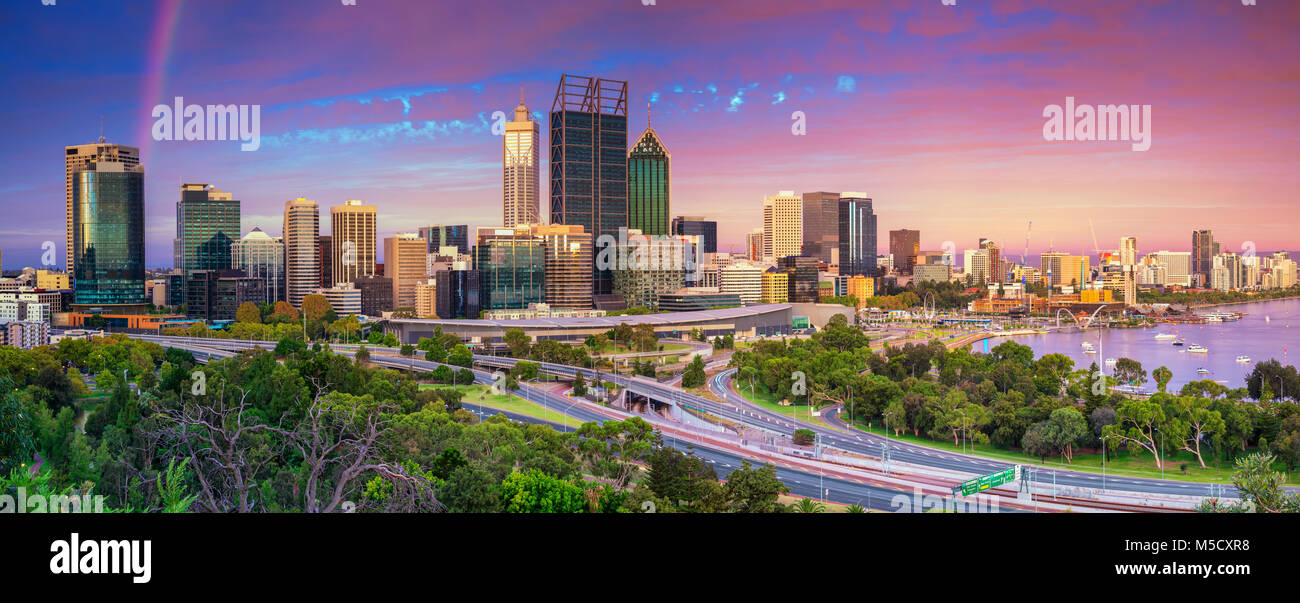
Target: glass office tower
{"x":857,"y":236}
{"x":439,"y":236}
{"x":589,"y":160}
{"x":207,"y":222}
{"x":108,"y":237}
{"x":511,"y":265}
{"x":648,"y":171}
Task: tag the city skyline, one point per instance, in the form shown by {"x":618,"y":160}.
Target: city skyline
{"x":418,"y":144}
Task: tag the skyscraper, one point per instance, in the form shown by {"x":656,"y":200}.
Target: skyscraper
{"x":754,"y":245}
{"x":325,"y":244}
{"x":649,"y":190}
{"x":439,"y":236}
{"x":904,"y":244}
{"x":520,"y":150}
{"x":782,"y":225}
{"x":404,"y":261}
{"x":79,"y":156}
{"x":352,"y":247}
{"x":302,"y":259}
{"x":1203,"y":252}
{"x":705,"y":229}
{"x":821,"y":226}
{"x":857,"y":235}
{"x":1128,"y":251}
{"x":207,"y":222}
{"x":262,"y":256}
{"x":802,"y":285}
{"x":108,"y":234}
{"x":589,"y":160}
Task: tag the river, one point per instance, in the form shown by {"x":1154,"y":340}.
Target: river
{"x":1269,"y":330}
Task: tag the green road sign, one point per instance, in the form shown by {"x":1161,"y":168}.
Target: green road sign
{"x":992,"y":480}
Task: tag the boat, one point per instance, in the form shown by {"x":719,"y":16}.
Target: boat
{"x":1243,"y":359}
{"x":1111,"y":361}
{"x":1213,"y":318}
{"x":1202,"y":370}
{"x":1197,"y":348}
{"x":1180,"y":341}
{"x":1089,"y":351}
{"x":1165,"y":336}
{"x":1087,"y":345}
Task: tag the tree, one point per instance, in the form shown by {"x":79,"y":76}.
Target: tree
{"x":346,"y":328}
{"x":803,"y":437}
{"x":471,"y":490}
{"x":248,"y":313}
{"x":754,"y":490}
{"x":1037,"y":441}
{"x":284,"y":311}
{"x":17,"y":440}
{"x":1192,"y":421}
{"x":808,"y":505}
{"x":1136,"y":423}
{"x":612,"y":448}
{"x":579,"y":384}
{"x":315,"y":307}
{"x":680,"y":477}
{"x":1129,"y":371}
{"x":362,"y":354}
{"x":518,"y":342}
{"x":1063,"y":430}
{"x":1162,"y":376}
{"x":537,"y":492}
{"x":694,"y":375}
{"x":1261,"y":487}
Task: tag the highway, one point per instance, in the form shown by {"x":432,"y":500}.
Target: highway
{"x":828,"y":486}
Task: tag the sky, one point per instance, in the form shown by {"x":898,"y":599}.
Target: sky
{"x":936,"y":112}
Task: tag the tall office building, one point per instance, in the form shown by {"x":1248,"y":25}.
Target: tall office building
{"x":404,"y":261}
{"x":566,"y":282}
{"x":1052,"y":267}
{"x":80,"y":156}
{"x":352,"y":246}
{"x":259,"y":255}
{"x":520,"y":161}
{"x":302,"y":259}
{"x":782,"y":225}
{"x":457,"y":293}
{"x":705,"y":229}
{"x":207,"y":222}
{"x":821,"y":226}
{"x":511,"y":264}
{"x":589,"y":160}
{"x":326,"y":248}
{"x":803,"y":277}
{"x":649,"y":183}
{"x":439,"y":236}
{"x":108,"y":235}
{"x":856,"y":224}
{"x":1177,"y":266}
{"x":904,"y":244}
{"x":1203,"y":251}
{"x":996,"y":272}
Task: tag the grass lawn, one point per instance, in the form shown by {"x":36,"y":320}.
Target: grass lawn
{"x":1118,"y":463}
{"x":611,"y":348}
{"x":476,"y":395}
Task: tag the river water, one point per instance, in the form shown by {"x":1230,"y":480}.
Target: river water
{"x":1269,"y":330}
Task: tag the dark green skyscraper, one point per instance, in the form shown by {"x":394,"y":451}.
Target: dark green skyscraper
{"x":108,"y":237}
{"x":648,"y":172}
{"x":589,"y":161}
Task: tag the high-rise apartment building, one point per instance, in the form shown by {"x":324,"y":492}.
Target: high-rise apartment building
{"x":821,"y":227}
{"x":302,"y":258}
{"x":649,"y":183}
{"x":404,"y":262}
{"x":207,"y":222}
{"x":1128,"y":250}
{"x":589,"y":160}
{"x":353,"y":243}
{"x":754,"y":246}
{"x":1177,"y":266}
{"x":108,"y":233}
{"x":782,"y":225}
{"x":856,"y":223}
{"x":520,"y":160}
{"x":78,"y":157}
{"x":260,"y":255}
{"x":904,"y":244}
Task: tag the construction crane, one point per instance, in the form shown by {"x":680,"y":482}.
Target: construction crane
{"x":1024,"y":261}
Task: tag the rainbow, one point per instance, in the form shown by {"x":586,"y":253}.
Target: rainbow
{"x":160,"y":46}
